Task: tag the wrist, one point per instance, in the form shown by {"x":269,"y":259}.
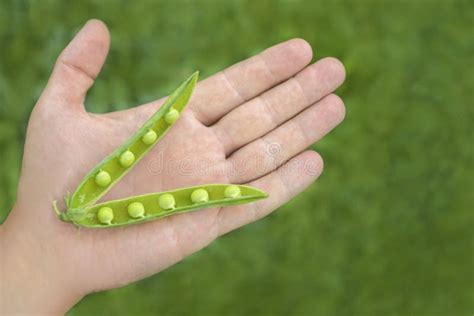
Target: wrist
{"x":30,"y":282}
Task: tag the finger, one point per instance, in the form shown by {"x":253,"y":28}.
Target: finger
{"x":279,"y":104}
{"x":229,"y":88}
{"x":274,"y":149}
{"x":281,"y":185}
{"x":78,"y":65}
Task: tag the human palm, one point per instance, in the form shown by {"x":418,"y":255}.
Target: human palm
{"x":247,"y":124}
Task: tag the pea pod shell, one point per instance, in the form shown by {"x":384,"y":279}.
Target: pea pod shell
{"x":88,"y":216}
{"x":88,"y":192}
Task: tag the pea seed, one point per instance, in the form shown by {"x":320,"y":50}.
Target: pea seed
{"x":150,"y":137}
{"x":232,"y":191}
{"x":171,"y":116}
{"x":127,"y":159}
{"x":167,"y":201}
{"x":136,"y":210}
{"x":199,"y":196}
{"x":103,"y":178}
{"x":105,"y":215}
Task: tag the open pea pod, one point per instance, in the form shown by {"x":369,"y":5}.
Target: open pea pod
{"x":110,"y":170}
{"x":142,"y":208}
{"x":82,"y":209}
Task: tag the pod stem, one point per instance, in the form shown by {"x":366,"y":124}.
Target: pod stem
{"x":61,"y":215}
{"x":55,"y":208}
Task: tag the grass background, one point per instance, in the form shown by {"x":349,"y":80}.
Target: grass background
{"x":389,"y":227}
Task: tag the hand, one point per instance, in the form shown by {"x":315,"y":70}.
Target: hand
{"x":247,"y":124}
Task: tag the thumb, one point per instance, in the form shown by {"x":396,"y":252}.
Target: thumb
{"x":78,"y":65}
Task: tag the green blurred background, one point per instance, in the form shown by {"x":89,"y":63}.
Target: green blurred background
{"x":389,"y":227}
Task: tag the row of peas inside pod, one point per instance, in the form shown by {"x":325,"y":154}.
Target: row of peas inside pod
{"x":167,"y":202}
{"x":127,"y":158}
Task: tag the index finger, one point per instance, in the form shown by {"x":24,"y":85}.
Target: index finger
{"x":222,"y":92}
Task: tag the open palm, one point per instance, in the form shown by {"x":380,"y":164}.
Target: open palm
{"x":247,"y":124}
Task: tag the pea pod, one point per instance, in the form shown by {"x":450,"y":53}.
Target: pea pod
{"x":110,"y":170}
{"x":82,"y":209}
{"x":149,"y":207}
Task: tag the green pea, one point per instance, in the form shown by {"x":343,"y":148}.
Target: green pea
{"x":136,"y":210}
{"x":102,"y":179}
{"x":150,"y":137}
{"x":171,"y":116}
{"x":232,"y":191}
{"x":199,"y":196}
{"x":167,"y":201}
{"x":105,"y":215}
{"x":127,"y":159}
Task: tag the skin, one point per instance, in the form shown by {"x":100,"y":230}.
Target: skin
{"x":291,"y":100}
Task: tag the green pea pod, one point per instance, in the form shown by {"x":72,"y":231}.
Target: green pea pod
{"x":118,"y":212}
{"x":82,"y":209}
{"x":110,"y":170}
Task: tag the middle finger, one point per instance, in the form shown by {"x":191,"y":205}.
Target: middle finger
{"x":262,"y":114}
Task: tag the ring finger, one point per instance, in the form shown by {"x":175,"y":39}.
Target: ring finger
{"x":272,"y":150}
